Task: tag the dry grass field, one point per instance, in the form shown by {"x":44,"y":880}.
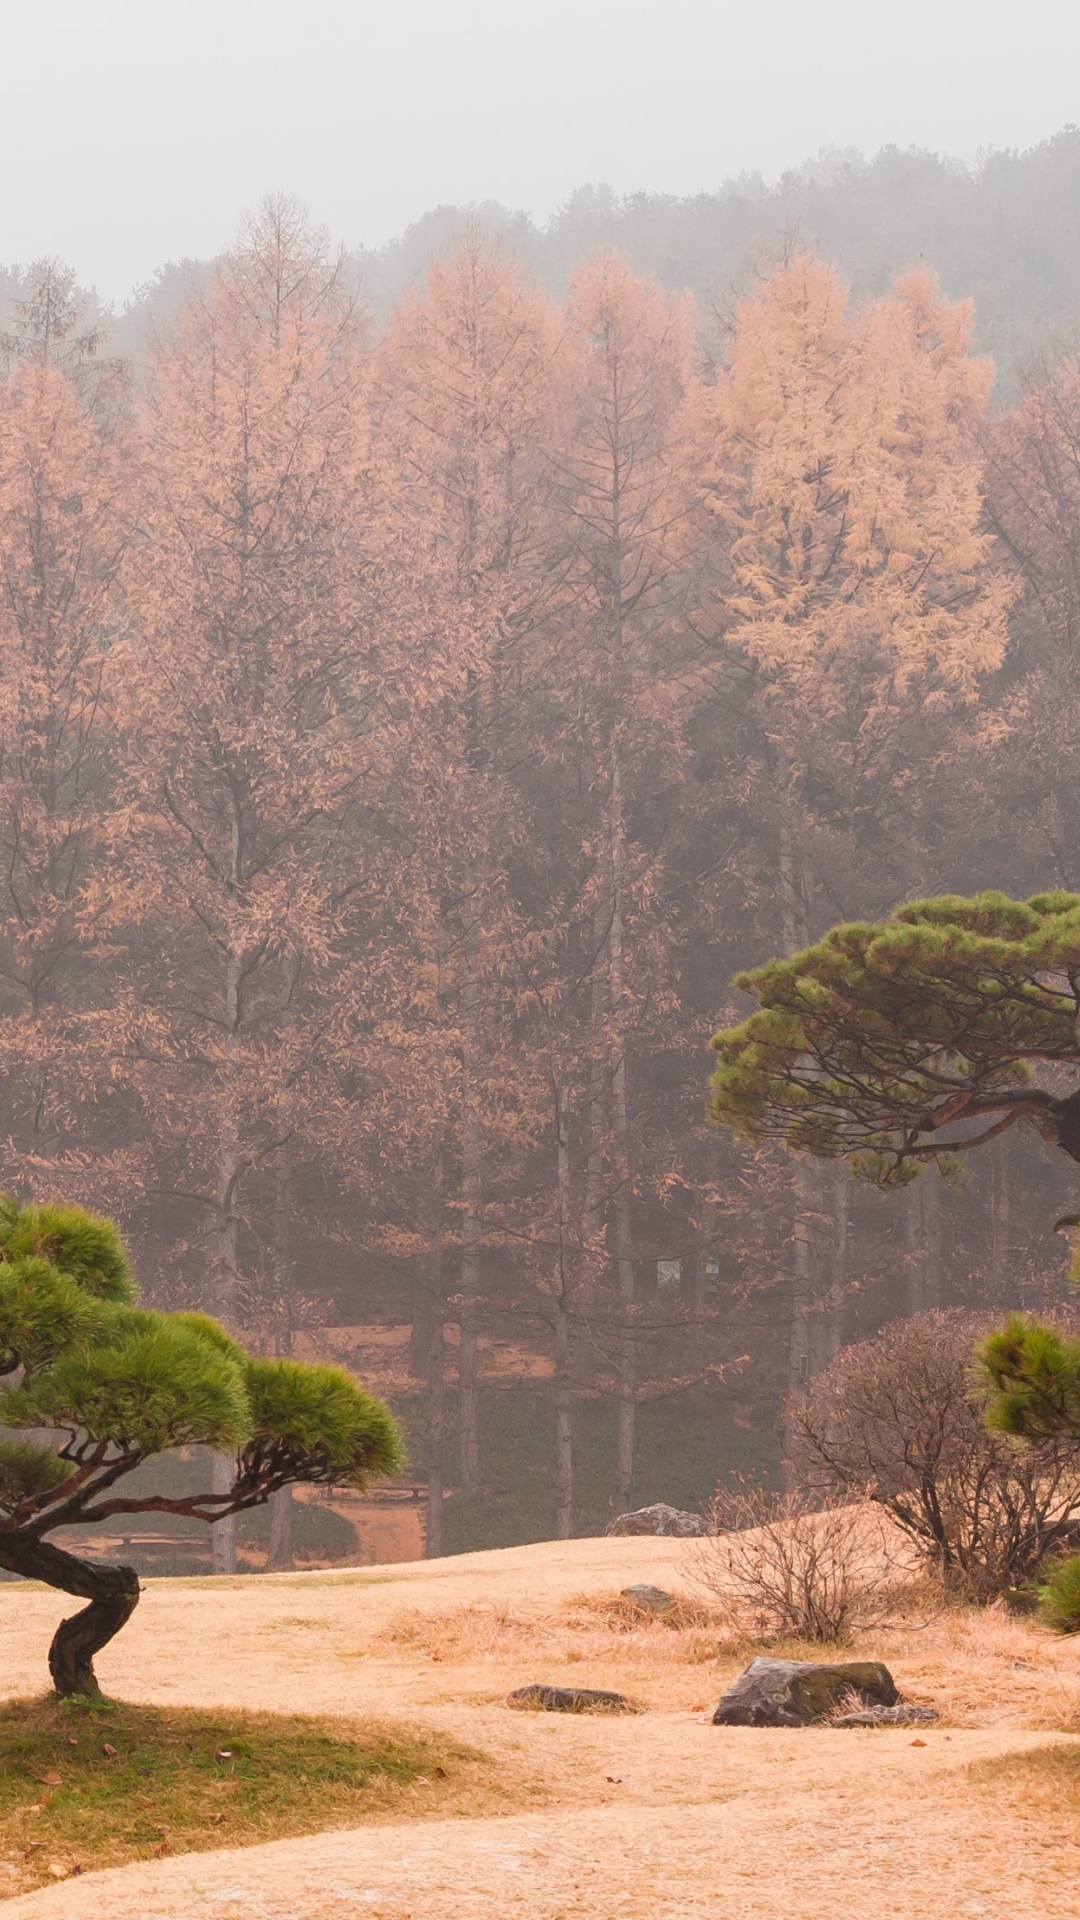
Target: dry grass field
{"x":655,"y":1814}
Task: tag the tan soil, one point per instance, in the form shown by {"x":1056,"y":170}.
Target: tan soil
{"x":658,"y":1815}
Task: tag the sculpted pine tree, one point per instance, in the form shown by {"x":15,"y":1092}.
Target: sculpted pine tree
{"x":117,"y":1385}
{"x":65,"y":515}
{"x":463,"y":403}
{"x":856,"y":601}
{"x":915,"y":1040}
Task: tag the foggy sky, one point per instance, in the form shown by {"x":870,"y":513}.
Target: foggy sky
{"x":135,"y":131}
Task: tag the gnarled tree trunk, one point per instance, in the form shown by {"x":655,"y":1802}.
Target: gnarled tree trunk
{"x":113,"y":1593}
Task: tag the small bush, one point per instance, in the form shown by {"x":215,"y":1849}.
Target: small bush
{"x":778,"y":1568}
{"x":1059,"y":1596}
{"x":901,"y":1420}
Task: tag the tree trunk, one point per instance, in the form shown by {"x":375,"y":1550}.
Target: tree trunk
{"x":794,"y":932}
{"x":933,"y":1288}
{"x":563,"y":1299}
{"x":281,"y":1530}
{"x":593,"y":1206}
{"x":435,"y":1367}
{"x":472,"y":1199}
{"x":282,"y":1507}
{"x":223,"y":1532}
{"x":837,"y":1303}
{"x":113,"y":1593}
{"x":623,"y":1200}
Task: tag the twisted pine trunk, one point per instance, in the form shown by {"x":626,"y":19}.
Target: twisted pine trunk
{"x":113,"y":1593}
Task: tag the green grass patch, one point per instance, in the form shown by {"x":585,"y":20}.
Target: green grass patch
{"x":85,"y":1785}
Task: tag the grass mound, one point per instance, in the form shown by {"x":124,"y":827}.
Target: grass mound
{"x":85,"y":1785}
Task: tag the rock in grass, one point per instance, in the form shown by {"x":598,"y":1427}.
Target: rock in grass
{"x":649,"y":1599}
{"x":541,"y":1699}
{"x":798,"y":1693}
{"x":901,"y":1716}
{"x":662,"y":1519}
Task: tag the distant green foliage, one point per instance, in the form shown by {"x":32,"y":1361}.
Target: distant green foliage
{"x":869,"y":1043}
{"x":1059,"y":1596}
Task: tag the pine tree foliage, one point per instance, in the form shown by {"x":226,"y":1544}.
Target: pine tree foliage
{"x":911,"y":1040}
{"x":118,"y":1385}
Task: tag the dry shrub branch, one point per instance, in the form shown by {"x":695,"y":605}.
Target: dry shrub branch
{"x":900,"y":1420}
{"x":778,"y":1568}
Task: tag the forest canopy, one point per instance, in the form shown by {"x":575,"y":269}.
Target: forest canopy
{"x":411,"y":719}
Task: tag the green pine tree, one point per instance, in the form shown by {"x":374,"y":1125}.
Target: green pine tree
{"x":118,"y":1384}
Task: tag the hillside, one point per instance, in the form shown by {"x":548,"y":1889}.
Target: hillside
{"x":658,"y":1814}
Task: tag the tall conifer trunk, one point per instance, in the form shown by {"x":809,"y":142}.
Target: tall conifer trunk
{"x":472,"y":1190}
{"x":623,"y":1197}
{"x":563,"y":1296}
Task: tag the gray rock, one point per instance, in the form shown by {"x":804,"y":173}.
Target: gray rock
{"x":662,"y":1519}
{"x":798,"y":1693}
{"x":901,"y":1716}
{"x":540,"y":1699}
{"x":649,"y":1599}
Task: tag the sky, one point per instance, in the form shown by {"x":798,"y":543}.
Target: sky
{"x":138,"y":131}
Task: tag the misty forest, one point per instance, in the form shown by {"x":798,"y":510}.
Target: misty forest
{"x":427,"y":677}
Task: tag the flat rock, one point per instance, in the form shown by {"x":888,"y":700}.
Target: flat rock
{"x":540,"y":1699}
{"x":661,"y":1519}
{"x":901,"y":1716}
{"x":800,"y":1693}
{"x":649,"y":1599}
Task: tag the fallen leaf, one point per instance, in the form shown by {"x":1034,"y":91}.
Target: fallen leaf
{"x":421,"y":1780}
{"x":223,"y":1753}
{"x":217,"y":1818}
{"x":142,"y":1801}
{"x":109,"y":1751}
{"x":37,"y":1808}
{"x":50,"y":1779}
{"x":918,"y":1743}
{"x":162,"y":1830}
{"x":58,"y":1872}
{"x":614,"y":1779}
{"x":440,"y":1773}
{"x":72,"y":1742}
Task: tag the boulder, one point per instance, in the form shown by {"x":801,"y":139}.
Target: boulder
{"x":649,"y":1599}
{"x":901,"y":1716}
{"x":798,"y":1693}
{"x":661,"y":1519}
{"x":541,"y":1699}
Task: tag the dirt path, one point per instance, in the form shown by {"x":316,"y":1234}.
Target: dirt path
{"x":660,"y":1815}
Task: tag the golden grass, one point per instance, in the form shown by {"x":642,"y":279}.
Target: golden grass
{"x":85,"y":1785}
{"x":597,"y":1627}
{"x":1044,"y":1785}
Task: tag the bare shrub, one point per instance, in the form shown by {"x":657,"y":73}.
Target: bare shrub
{"x":900,"y":1420}
{"x":776,"y":1567}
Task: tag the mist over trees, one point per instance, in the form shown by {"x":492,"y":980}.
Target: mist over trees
{"x":426,"y":680}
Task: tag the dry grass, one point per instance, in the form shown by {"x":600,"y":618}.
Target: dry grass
{"x":644,"y":1816}
{"x":1043,"y":1786}
{"x":600,"y":1628}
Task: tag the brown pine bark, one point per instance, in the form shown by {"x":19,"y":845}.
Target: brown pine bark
{"x":113,"y":1594}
